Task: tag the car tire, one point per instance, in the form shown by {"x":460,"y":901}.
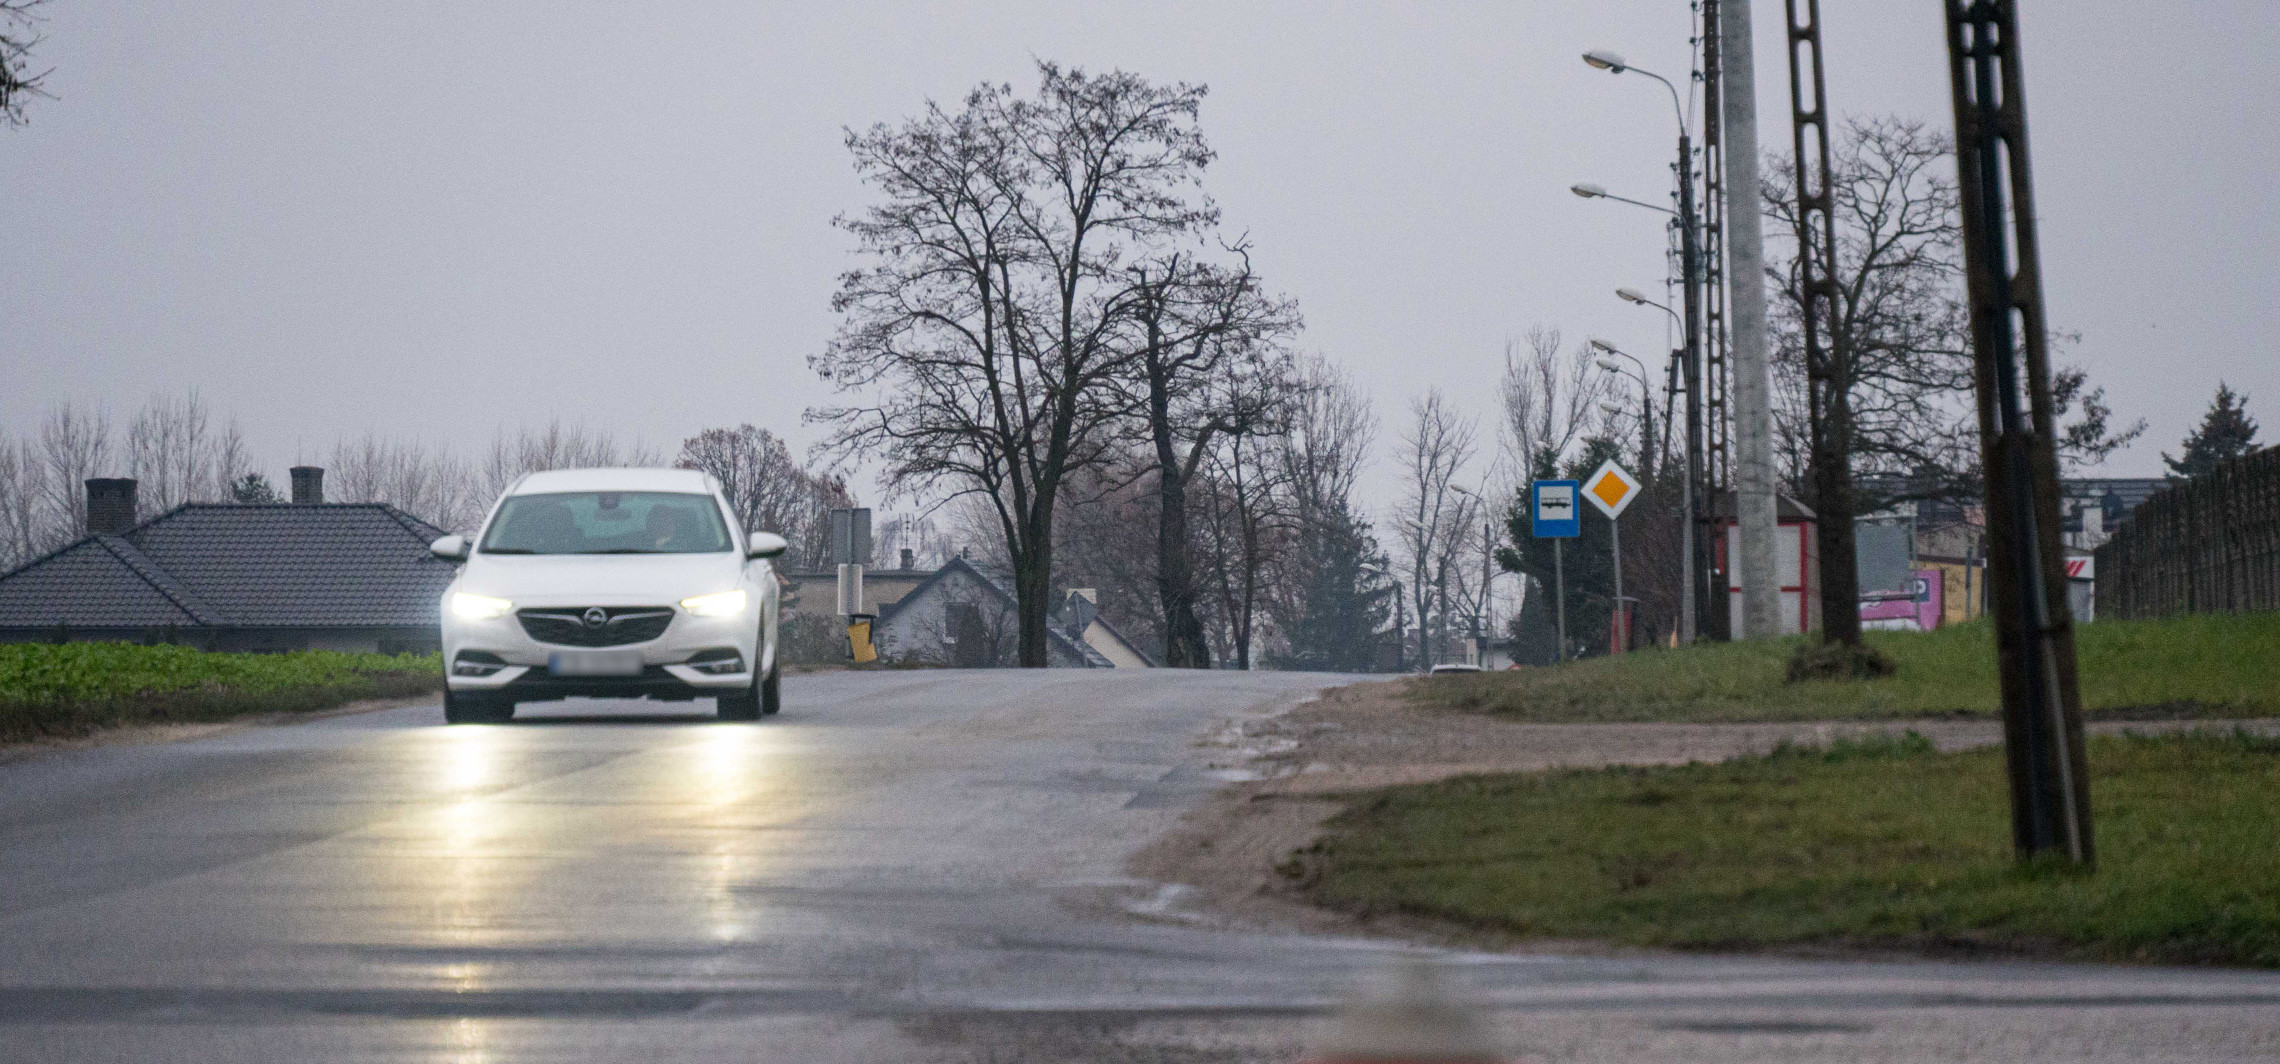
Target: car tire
{"x":743,"y":705}
{"x":771,"y":695}
{"x":476,"y":709}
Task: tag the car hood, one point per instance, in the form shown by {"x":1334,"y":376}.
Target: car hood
{"x":600,"y":579}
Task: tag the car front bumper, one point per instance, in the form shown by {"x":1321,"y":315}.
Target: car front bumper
{"x":666,"y":673}
{"x":669,"y":683}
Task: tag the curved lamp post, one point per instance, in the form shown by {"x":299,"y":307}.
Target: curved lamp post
{"x":1696,"y":615}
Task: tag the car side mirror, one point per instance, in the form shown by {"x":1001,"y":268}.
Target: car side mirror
{"x":450,"y":548}
{"x":766,"y":545}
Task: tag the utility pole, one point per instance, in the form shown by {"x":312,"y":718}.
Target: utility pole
{"x":1745,"y":280}
{"x":1701,"y":571}
{"x":1717,"y":377}
{"x":1828,"y":351}
{"x":2034,"y":633}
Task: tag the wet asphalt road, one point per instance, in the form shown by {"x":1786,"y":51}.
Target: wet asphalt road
{"x":918,"y":866}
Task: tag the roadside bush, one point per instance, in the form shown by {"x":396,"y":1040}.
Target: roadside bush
{"x":52,"y":690}
{"x":1814,"y":660}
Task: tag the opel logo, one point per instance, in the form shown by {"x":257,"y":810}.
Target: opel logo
{"x":596,"y":616}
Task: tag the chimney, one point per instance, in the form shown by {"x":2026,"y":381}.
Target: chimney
{"x":908,"y":560}
{"x":110,"y":505}
{"x":308,"y":485}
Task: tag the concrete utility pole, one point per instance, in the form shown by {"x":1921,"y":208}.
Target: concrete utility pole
{"x":1745,"y":277}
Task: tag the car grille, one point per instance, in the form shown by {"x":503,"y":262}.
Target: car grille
{"x":620,"y":625}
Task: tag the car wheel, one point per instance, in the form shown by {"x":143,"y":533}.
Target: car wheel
{"x":771,"y":695}
{"x":743,"y":705}
{"x":476,"y":709}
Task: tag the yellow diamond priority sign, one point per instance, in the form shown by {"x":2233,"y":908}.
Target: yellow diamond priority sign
{"x":1611,"y":489}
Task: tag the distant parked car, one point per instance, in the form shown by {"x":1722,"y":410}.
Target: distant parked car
{"x":1454,"y":666}
{"x":614,"y":583}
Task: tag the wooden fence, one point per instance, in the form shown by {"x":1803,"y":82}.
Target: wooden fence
{"x":2206,"y":545}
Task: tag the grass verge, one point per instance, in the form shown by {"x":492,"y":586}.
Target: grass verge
{"x":58,"y":691}
{"x":2207,"y":666}
{"x":1879,"y":843}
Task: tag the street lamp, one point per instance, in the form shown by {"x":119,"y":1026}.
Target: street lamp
{"x":1646,"y":397}
{"x":1699,"y":616}
{"x":1588,"y":190}
{"x":1600,"y":59}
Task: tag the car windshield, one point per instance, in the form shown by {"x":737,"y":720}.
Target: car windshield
{"x":607,"y":522}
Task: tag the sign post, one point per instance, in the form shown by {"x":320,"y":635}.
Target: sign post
{"x":848,"y":549}
{"x":1611,"y":489}
{"x":1552,"y":516}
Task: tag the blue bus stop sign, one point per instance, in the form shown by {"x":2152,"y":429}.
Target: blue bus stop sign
{"x":1551,"y":509}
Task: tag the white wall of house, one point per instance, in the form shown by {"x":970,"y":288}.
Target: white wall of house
{"x":920,"y":630}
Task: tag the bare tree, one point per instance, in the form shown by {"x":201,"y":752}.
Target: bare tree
{"x":24,"y":525}
{"x":928,"y":540}
{"x":1108,"y":538}
{"x":1208,"y":364}
{"x":427,"y":481}
{"x":1332,"y":588}
{"x":1331,"y":433}
{"x":435,"y":483}
{"x":177,"y":455}
{"x":1892,"y":396}
{"x":989,"y":325}
{"x":19,"y":34}
{"x":75,"y":444}
{"x":769,"y":489}
{"x":755,"y":469}
{"x":555,"y":446}
{"x":1248,"y":522}
{"x":1435,"y":513}
{"x":1550,"y":401}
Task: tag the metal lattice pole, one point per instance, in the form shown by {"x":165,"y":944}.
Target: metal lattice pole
{"x":1715,"y":381}
{"x":1828,"y":363}
{"x":2034,"y":634}
{"x":1717,"y":465}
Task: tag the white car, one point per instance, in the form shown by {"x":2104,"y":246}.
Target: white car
{"x":613,"y":583}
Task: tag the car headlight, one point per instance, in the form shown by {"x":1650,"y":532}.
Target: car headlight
{"x":478,"y":607}
{"x":720,"y":604}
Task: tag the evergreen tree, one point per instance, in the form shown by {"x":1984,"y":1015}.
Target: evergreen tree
{"x":2226,"y":431}
{"x":1345,"y":600}
{"x":1585,"y":563}
{"x":253,"y":488}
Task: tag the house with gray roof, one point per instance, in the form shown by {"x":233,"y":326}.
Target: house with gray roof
{"x":266,"y":576}
{"x":965,"y":615}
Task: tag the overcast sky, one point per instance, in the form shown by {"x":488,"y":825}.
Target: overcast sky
{"x":434,"y":219}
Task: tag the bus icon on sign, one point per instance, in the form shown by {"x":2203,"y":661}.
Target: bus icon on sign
{"x":1551,"y":509}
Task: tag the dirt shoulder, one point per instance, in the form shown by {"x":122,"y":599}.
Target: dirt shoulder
{"x":1308,"y":761}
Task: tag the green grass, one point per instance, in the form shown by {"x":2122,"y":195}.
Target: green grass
{"x":56,"y":690}
{"x":2205,"y":666}
{"x":1881,"y":843}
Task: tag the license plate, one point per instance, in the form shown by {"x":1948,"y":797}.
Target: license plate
{"x":600,"y":663}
